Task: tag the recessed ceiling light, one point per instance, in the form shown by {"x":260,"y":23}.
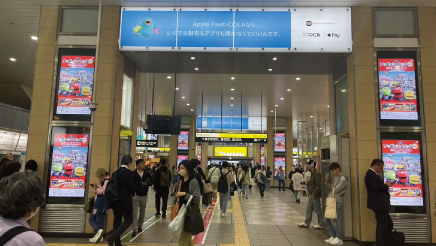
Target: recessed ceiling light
{"x":231,"y":105}
{"x":12,"y":59}
{"x":188,"y":104}
{"x":177,"y":88}
{"x":344,"y":90}
{"x":183,"y":97}
{"x":277,"y":105}
{"x":272,"y":111}
{"x":231,"y":98}
{"x":282,"y":98}
{"x":328,"y":106}
{"x":232,"y":89}
{"x":311,"y":116}
{"x":196,"y":69}
{"x":169,"y":77}
{"x":320,"y":128}
{"x":34,"y":38}
{"x":274,"y":58}
{"x":232,"y":78}
{"x":297,"y":78}
{"x":192,"y":58}
{"x":288,"y":89}
{"x":192,"y":109}
{"x":270,"y":69}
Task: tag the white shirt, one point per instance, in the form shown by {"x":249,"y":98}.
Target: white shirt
{"x":140,"y":173}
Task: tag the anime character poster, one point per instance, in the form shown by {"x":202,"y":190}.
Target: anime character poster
{"x":279,"y":142}
{"x":402,"y":167}
{"x":69,"y":164}
{"x":279,"y":162}
{"x":183,"y":141}
{"x":76,"y":81}
{"x":397,"y":87}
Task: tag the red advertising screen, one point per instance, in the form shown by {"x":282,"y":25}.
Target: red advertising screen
{"x":199,"y":152}
{"x":69,"y":164}
{"x":402,"y":160}
{"x":397,"y":87}
{"x":76,"y":81}
{"x":183,"y":141}
{"x":279,"y":162}
{"x":181,"y":158}
{"x":279,"y":142}
{"x":262,"y":156}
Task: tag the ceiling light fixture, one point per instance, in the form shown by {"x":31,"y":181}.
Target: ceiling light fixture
{"x":328,"y":106}
{"x":183,"y":97}
{"x":270,"y":69}
{"x":276,"y":105}
{"x":12,"y":59}
{"x":272,"y":111}
{"x":297,"y":78}
{"x":232,"y":78}
{"x":282,"y":98}
{"x":34,"y":38}
{"x":344,"y":90}
{"x":231,"y":98}
{"x":188,"y":104}
{"x":232,"y":89}
{"x":311,"y":116}
{"x":288,"y":89}
{"x":231,"y":105}
{"x":169,"y":77}
{"x":320,"y":128}
{"x":196,"y":69}
{"x":192,"y":109}
{"x":177,"y":88}
{"x":274,"y":58}
{"x":192,"y":58}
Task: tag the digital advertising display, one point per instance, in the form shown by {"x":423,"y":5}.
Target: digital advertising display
{"x":69,"y":165}
{"x":280,"y":142}
{"x":76,"y":80}
{"x":183,"y":141}
{"x":397,"y":89}
{"x":262,"y":156}
{"x":181,"y":158}
{"x":199,"y":152}
{"x":402,"y":167}
{"x":279,"y":162}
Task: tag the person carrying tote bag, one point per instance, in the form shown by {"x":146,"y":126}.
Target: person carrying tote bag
{"x":189,"y":190}
{"x":176,"y":209}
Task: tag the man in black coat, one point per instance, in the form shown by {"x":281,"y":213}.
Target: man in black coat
{"x":379,"y":202}
{"x":162,"y":187}
{"x":142,"y":180}
{"x":122,"y":208}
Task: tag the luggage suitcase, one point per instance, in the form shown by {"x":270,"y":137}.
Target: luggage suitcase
{"x":398,"y":238}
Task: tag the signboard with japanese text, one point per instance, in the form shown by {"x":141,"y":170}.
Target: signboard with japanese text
{"x":230,"y":151}
{"x":146,"y":143}
{"x":231,"y":137}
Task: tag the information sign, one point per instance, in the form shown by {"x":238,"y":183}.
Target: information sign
{"x":230,"y":151}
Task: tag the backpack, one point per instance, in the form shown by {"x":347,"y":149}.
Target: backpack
{"x":11,"y":233}
{"x":214,"y":178}
{"x":112,"y":192}
{"x":223,"y":185}
{"x":165,"y":178}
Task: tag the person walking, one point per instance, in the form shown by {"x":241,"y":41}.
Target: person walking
{"x":214,"y":176}
{"x":261,"y":180}
{"x":224,"y":187}
{"x":268,"y":177}
{"x":174,"y":181}
{"x":101,"y":206}
{"x":189,"y":187}
{"x":338,"y":187}
{"x":122,"y":207}
{"x":162,"y":182}
{"x":282,"y":177}
{"x":314,"y":195}
{"x":238,"y":176}
{"x":142,"y":181}
{"x":252,"y":173}
{"x":379,"y":202}
{"x":245,"y":180}
{"x":297,"y":183}
{"x":291,"y":184}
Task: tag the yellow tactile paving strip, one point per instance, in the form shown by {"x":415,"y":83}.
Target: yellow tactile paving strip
{"x":241,"y":235}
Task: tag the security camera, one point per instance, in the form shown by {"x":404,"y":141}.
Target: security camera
{"x":93,"y":106}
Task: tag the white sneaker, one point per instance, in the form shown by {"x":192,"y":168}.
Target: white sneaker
{"x":337,"y":241}
{"x":98,"y":235}
{"x":92,"y":240}
{"x":316,"y":227}
{"x":303,"y":225}
{"x":223,"y":215}
{"x":330,"y":240}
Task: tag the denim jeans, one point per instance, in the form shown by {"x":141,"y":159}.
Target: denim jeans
{"x":261,"y":188}
{"x":268,"y":183}
{"x":281,"y":184}
{"x":297,"y":194}
{"x":313,"y":204}
{"x":97,"y":221}
{"x":328,"y":223}
{"x":224,"y":199}
{"x":245,"y":190}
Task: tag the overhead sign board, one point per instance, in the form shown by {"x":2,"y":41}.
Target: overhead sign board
{"x":218,"y":29}
{"x":231,"y":123}
{"x":146,"y":143}
{"x":231,"y":137}
{"x":230,"y":151}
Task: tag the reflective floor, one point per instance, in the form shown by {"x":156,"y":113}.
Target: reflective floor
{"x":271,"y":220}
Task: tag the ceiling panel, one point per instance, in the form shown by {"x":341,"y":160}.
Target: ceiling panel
{"x":300,"y":63}
{"x":249,"y":62}
{"x":143,"y":62}
{"x":326,"y":63}
{"x":162,"y":60}
{"x":220,"y":62}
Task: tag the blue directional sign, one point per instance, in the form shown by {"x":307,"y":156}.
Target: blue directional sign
{"x":228,"y":123}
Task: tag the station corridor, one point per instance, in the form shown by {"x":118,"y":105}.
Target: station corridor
{"x":257,"y":221}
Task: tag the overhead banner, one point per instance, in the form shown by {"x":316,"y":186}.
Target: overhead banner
{"x":218,"y":29}
{"x":231,"y":137}
{"x":231,"y":123}
{"x":146,"y":143}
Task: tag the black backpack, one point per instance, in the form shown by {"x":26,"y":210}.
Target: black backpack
{"x":223,"y":185}
{"x":11,"y":233}
{"x":112,"y":192}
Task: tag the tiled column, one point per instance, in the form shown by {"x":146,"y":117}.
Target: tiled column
{"x":270,"y":145}
{"x":43,"y":82}
{"x":289,"y":145}
{"x":362,"y":118}
{"x":427,"y":38}
{"x":192,"y":131}
{"x":173,"y":153}
{"x":256,"y":152}
{"x":204,"y":156}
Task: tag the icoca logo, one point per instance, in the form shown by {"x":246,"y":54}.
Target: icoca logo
{"x":312,"y":34}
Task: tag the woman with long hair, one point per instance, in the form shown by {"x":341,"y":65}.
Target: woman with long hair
{"x":189,"y":187}
{"x":261,"y":178}
{"x":245,"y":180}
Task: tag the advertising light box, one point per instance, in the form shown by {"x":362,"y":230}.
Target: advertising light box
{"x":231,"y":137}
{"x":230,"y":151}
{"x":280,"y":142}
{"x":181,"y":158}
{"x":75,"y":85}
{"x":183,"y":141}
{"x":199,"y":152}
{"x":69,"y":165}
{"x":296,"y":30}
{"x":279,"y":162}
{"x":402,"y":167}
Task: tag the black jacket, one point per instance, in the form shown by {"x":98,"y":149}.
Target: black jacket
{"x":378,"y":192}
{"x":200,"y":171}
{"x":141,"y":190}
{"x":158,"y":178}
{"x":126,"y":187}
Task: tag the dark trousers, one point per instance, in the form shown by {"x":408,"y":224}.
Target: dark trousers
{"x":384,"y":228}
{"x":261,"y":188}
{"x":125,"y":212}
{"x":281,"y":184}
{"x":162,"y":193}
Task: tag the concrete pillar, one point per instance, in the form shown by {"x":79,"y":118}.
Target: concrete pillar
{"x":269,"y":150}
{"x":289,"y":145}
{"x":192,"y":131}
{"x":173,"y":153}
{"x":204,"y":156}
{"x":256,"y":152}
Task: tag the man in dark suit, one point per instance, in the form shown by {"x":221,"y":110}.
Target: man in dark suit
{"x":379,"y":202}
{"x":122,"y":208}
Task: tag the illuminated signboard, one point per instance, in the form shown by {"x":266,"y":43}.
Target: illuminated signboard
{"x":183,"y":141}
{"x":230,"y":151}
{"x":146,"y":143}
{"x":231,"y":137}
{"x":279,"y":162}
{"x":279,"y":142}
{"x":181,"y":158}
{"x":159,"y":149}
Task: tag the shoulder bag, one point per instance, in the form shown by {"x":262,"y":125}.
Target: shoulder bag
{"x":330,"y":211}
{"x":193,"y":219}
{"x":176,"y":208}
{"x":89,"y":206}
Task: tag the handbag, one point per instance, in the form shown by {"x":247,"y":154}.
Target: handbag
{"x":330,"y":211}
{"x":89,"y":206}
{"x":207,"y":187}
{"x":193,"y":219}
{"x":176,"y":226}
{"x":176,"y":208}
